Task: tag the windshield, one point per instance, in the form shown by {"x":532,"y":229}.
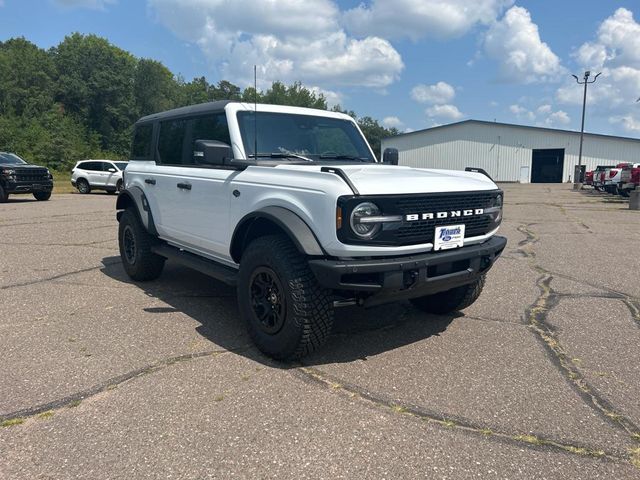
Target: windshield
{"x":121,"y":165}
{"x":10,"y":158}
{"x":311,"y":137}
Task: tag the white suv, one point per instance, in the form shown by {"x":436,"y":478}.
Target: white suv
{"x":290,"y":205}
{"x":90,"y":175}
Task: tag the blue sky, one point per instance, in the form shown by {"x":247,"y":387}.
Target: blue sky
{"x":411,"y":63}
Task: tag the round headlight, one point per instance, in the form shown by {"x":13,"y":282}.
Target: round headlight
{"x":498,"y":201}
{"x":359,"y":224}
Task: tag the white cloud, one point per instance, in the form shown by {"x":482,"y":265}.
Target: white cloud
{"x":628,"y":122}
{"x":493,"y":104}
{"x":438,"y":93}
{"x":558,"y":118}
{"x":543,"y":115}
{"x":544,"y":109}
{"x":615,"y":51}
{"x":283,"y":38}
{"x":392,"y":122}
{"x":441,"y":19}
{"x":522,"y":113}
{"x":514,"y":42}
{"x":93,"y":4}
{"x":444,"y":112}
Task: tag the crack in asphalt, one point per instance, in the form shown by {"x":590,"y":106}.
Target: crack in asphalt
{"x":110,"y":384}
{"x":529,"y":440}
{"x":536,"y":317}
{"x":55,"y":277}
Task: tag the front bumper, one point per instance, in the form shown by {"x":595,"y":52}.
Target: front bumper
{"x":390,"y":279}
{"x":28,"y":187}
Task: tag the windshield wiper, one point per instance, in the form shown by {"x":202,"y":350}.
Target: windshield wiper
{"x":279,"y":155}
{"x":335,"y":156}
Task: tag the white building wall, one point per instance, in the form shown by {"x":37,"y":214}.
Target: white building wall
{"x":501,"y":150}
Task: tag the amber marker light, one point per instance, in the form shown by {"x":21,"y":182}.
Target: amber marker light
{"x":338,"y":218}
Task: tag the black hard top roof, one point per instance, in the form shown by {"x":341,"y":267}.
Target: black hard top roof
{"x":188,"y":110}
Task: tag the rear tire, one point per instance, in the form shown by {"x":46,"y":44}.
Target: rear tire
{"x":135,"y":244}
{"x":288,"y":314}
{"x":42,"y":196}
{"x":452,"y":300}
{"x":4,"y":196}
{"x":119,"y":186}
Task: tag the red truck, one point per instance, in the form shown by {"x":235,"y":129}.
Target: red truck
{"x":629,"y":179}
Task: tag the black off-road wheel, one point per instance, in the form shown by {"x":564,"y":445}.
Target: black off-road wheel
{"x":135,"y":243}
{"x":42,"y":196}
{"x":4,"y":196}
{"x":288,"y":314}
{"x":83,"y":186}
{"x":452,"y":300}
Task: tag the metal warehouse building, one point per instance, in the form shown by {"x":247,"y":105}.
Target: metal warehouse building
{"x":511,"y":153}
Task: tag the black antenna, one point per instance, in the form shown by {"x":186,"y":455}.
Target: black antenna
{"x":255,"y":111}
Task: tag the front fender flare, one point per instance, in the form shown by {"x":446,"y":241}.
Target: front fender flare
{"x":295,"y":227}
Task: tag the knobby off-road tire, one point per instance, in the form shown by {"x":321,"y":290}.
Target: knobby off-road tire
{"x":288,"y":314}
{"x":42,"y":196}
{"x":135,"y":243}
{"x":452,"y":300}
{"x":4,"y":196}
{"x":83,"y":186}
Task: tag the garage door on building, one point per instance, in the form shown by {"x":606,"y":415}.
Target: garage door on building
{"x":547,"y":165}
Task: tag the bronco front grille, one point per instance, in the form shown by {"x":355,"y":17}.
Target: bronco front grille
{"x":422,"y":231}
{"x":413,"y":232}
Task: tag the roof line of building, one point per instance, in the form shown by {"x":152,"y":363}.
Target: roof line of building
{"x":513,"y":125}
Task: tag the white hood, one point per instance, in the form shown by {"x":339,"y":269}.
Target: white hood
{"x":389,"y":179}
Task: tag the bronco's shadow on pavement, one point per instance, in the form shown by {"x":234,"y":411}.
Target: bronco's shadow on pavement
{"x":357,"y":333}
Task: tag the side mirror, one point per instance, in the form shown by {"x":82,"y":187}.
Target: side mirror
{"x":390,"y":156}
{"x":112,"y":170}
{"x":212,"y":152}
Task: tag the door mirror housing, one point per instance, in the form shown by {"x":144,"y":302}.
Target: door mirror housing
{"x":212,"y":152}
{"x":390,"y":156}
{"x":112,"y":170}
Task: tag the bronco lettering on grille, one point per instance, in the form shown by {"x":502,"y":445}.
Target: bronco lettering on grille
{"x":450,"y":214}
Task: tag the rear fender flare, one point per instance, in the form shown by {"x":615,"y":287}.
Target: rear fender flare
{"x":135,"y":198}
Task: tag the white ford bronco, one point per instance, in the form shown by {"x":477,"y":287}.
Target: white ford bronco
{"x":290,"y":205}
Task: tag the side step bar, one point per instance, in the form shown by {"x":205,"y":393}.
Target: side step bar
{"x":208,"y":267}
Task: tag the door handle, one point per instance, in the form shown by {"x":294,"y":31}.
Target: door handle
{"x":184,"y":186}
{"x":150,"y":181}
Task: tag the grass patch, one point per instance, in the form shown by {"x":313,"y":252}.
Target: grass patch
{"x":62,"y":182}
{"x":45,"y":415}
{"x":532,"y":439}
{"x":218,"y":398}
{"x":449,"y":423}
{"x":486,"y":431}
{"x":74,"y":403}
{"x":12,"y":422}
{"x":635,"y":457}
{"x":636,"y":436}
{"x":398,"y":409}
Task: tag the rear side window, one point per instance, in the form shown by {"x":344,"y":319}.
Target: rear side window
{"x":92,"y":166}
{"x":171,"y":142}
{"x":141,"y":146}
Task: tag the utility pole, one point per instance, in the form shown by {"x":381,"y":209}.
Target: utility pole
{"x":577,"y":174}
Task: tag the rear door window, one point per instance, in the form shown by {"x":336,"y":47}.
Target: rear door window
{"x":142,"y":140}
{"x":171,"y":143}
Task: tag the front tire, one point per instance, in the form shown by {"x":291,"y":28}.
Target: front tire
{"x":288,"y":314}
{"x":83,"y":186}
{"x":135,"y":244}
{"x":4,"y":196}
{"x":42,"y":196}
{"x":452,"y":300}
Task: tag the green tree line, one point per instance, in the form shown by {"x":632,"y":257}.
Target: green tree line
{"x":80,"y":99}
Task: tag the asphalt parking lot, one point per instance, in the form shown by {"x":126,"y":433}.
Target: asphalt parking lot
{"x":103,"y":378}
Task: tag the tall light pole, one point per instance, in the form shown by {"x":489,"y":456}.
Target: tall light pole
{"x":585,"y":81}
